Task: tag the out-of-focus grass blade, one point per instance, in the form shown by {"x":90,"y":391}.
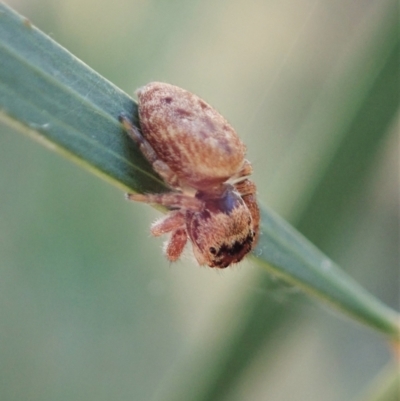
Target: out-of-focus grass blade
{"x":46,"y":92}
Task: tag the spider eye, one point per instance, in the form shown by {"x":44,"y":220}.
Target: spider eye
{"x":213,"y":250}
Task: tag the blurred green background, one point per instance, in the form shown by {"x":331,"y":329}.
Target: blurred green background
{"x":89,"y":307}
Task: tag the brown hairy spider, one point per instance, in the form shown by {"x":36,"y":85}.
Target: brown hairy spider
{"x":199,"y":155}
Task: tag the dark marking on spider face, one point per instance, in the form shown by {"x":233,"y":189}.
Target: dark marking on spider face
{"x":232,"y":253}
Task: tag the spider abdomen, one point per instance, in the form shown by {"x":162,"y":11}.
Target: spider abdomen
{"x":191,"y":137}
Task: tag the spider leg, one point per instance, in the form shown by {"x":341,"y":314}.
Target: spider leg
{"x":245,"y":187}
{"x":171,"y":222}
{"x":174,"y":247}
{"x":149,"y":153}
{"x":245,"y":171}
{"x":247,"y":190}
{"x":170,"y":200}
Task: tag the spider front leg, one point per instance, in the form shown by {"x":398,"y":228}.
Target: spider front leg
{"x":175,"y":222}
{"x":171,"y":222}
{"x":174,"y":247}
{"x":246,"y":187}
{"x":149,"y":153}
{"x":247,"y":190}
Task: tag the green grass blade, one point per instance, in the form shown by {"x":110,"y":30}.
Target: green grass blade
{"x":290,"y":256}
{"x":47,"y":93}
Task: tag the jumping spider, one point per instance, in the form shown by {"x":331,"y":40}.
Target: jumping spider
{"x":199,"y":155}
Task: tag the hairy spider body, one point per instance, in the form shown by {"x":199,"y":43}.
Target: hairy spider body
{"x":199,"y":155}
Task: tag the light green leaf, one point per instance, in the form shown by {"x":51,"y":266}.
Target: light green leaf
{"x":49,"y":94}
